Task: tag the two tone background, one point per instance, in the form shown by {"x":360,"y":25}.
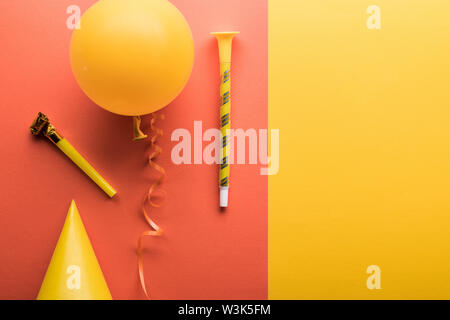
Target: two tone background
{"x":364,"y":121}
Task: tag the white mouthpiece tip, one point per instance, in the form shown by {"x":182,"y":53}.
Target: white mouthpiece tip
{"x":224,"y":197}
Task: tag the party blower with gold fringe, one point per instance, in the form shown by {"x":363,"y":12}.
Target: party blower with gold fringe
{"x":42,"y":126}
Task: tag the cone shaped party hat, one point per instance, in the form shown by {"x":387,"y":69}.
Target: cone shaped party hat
{"x":74,"y":272}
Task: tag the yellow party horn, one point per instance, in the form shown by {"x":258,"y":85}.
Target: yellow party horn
{"x":225,"y":39}
{"x":42,"y":125}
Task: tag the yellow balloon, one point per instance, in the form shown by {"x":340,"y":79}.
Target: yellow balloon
{"x":132,"y":57}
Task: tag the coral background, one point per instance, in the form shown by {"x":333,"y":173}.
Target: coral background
{"x":204,"y":253}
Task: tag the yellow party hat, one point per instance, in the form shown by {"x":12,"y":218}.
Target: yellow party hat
{"x":74,"y":272}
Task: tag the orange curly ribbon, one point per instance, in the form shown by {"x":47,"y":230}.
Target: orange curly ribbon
{"x":156,"y":230}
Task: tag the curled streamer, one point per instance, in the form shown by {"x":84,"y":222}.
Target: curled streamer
{"x":156,"y":230}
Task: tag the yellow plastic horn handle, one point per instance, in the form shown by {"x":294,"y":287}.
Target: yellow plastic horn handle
{"x":224,"y":40}
{"x":78,"y":159}
{"x":225,"y":123}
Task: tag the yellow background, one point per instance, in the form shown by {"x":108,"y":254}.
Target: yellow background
{"x":364,"y":119}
